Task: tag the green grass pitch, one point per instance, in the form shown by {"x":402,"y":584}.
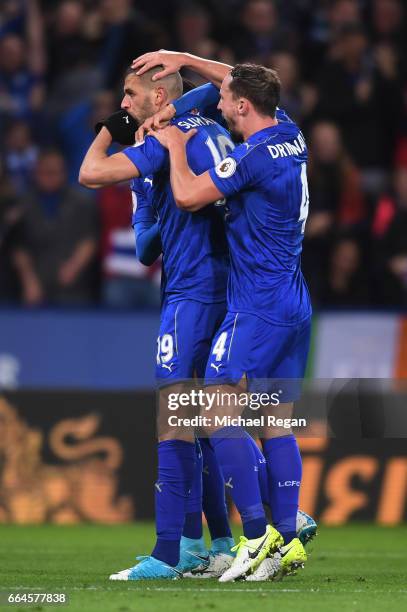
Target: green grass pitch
{"x":353,"y":568}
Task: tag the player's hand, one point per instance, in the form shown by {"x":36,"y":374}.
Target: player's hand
{"x":171,"y":135}
{"x":156,"y":122}
{"x":171,"y":60}
{"x":121,"y":126}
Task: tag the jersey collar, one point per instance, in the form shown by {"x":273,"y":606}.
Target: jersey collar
{"x":262,"y":134}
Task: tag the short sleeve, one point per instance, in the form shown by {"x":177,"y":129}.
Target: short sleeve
{"x":232,"y":174}
{"x":148,"y":156}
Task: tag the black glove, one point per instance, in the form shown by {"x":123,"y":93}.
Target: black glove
{"x":121,"y":126}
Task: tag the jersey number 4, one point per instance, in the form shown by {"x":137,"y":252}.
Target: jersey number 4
{"x":304,"y":197}
{"x":220,"y":346}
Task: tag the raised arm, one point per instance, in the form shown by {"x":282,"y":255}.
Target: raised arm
{"x":99,"y":169}
{"x":173,"y":61}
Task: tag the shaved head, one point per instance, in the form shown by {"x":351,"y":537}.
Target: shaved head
{"x":172,"y":83}
{"x":143,"y":97}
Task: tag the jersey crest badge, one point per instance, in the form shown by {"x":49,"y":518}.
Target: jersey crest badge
{"x":226,"y":167}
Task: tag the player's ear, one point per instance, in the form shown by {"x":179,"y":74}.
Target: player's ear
{"x":160,"y":96}
{"x":243,"y":106}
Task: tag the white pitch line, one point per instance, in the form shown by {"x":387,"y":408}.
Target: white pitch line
{"x":318,"y":591}
{"x":361,"y":555}
{"x":233,"y":589}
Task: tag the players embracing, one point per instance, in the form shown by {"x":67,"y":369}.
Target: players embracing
{"x":264,"y":335}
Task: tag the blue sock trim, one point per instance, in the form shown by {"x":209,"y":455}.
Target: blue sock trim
{"x":252,"y":513}
{"x":227,"y":432}
{"x":287,"y":535}
{"x":166,"y":551}
{"x":255,"y":528}
{"x":273,"y":444}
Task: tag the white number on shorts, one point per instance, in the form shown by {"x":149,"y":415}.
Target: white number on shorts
{"x":219,"y":348}
{"x":304,"y":197}
{"x":165,"y":348}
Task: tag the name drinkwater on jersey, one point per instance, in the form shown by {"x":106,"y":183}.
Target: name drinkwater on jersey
{"x":285,"y":149}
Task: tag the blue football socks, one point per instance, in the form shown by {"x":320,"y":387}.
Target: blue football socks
{"x":193,"y":518}
{"x":284,"y":469}
{"x":213,"y":499}
{"x":236,"y":459}
{"x":176,"y":463}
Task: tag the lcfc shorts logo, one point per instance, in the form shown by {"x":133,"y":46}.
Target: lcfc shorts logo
{"x":226,"y":167}
{"x":289,"y":483}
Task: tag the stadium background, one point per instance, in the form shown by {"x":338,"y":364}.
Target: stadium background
{"x":79,"y":314}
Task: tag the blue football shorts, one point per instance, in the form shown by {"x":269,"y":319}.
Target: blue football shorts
{"x":186,"y":331}
{"x":272,"y":357}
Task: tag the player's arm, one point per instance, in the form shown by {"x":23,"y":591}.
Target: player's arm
{"x":199,"y":98}
{"x":146,"y":229}
{"x":148,"y":243}
{"x":173,"y":61}
{"x":191,"y":192}
{"x":99,"y":169}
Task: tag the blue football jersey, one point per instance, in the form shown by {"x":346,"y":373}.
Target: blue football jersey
{"x":265,"y":183}
{"x":195,"y":252}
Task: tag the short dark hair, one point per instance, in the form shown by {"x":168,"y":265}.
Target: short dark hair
{"x":171,"y":82}
{"x":260,"y":85}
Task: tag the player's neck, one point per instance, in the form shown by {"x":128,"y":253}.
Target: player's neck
{"x":257,"y":123}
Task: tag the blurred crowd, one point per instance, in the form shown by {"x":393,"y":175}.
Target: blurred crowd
{"x":342,"y":64}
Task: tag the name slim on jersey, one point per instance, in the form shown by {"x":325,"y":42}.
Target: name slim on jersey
{"x":196,"y":121}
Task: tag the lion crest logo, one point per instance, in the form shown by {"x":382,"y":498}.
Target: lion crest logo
{"x":83,"y":487}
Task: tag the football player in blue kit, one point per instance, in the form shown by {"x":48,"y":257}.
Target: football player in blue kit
{"x":205,"y":99}
{"x":195,"y":261}
{"x":266,"y":332}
